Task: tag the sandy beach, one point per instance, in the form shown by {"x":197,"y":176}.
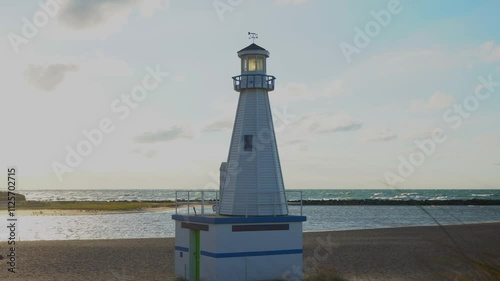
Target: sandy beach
{"x":462,"y":252}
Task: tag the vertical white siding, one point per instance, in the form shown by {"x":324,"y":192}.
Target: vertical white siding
{"x":253,"y":184}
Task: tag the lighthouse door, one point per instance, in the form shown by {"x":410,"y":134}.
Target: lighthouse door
{"x":194,"y":255}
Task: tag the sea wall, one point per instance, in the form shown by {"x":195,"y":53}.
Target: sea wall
{"x":397,"y":202}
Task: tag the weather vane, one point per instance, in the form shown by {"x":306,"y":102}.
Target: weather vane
{"x":253,"y":36}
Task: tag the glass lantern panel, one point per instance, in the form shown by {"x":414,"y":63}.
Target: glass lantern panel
{"x":252,"y":64}
{"x":244,"y":64}
{"x":260,"y":63}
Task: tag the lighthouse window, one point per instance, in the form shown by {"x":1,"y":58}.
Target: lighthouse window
{"x":260,"y":63}
{"x":244,"y":64}
{"x":247,"y":139}
{"x":252,"y":64}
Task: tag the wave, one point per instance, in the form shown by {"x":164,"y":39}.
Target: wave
{"x":482,"y":195}
{"x":307,"y":194}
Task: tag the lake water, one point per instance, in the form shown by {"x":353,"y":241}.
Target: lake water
{"x":310,"y":194}
{"x":319,"y":218}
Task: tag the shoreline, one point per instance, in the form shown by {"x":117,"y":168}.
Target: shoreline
{"x":61,"y":208}
{"x":84,"y":212}
{"x":308,"y":232}
{"x":62,"y":212}
{"x":312,"y":232}
{"x":406,"y":226}
{"x":450,"y":252}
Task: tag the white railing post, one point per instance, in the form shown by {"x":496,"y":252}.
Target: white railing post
{"x":217,"y":203}
{"x":301,"y":202}
{"x":188,"y":204}
{"x":202,"y":202}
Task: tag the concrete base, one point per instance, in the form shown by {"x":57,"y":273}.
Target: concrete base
{"x":220,"y":248}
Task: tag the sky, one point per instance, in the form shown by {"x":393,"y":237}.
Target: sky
{"x":137,"y":94}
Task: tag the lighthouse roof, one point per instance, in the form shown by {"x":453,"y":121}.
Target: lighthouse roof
{"x":253,"y":49}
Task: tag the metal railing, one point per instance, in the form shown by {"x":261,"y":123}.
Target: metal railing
{"x":253,"y":81}
{"x":201,"y":198}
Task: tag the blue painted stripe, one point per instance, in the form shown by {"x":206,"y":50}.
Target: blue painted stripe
{"x":251,"y":254}
{"x":182,"y":249}
{"x":228,"y":219}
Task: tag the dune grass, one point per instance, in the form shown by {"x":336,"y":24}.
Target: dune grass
{"x":91,"y":205}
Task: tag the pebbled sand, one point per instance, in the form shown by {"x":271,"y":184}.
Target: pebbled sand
{"x":463,"y":252}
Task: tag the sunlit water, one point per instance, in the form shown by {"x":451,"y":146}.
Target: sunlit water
{"x":168,"y":194}
{"x":319,"y":218}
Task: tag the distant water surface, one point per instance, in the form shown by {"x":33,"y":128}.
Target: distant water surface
{"x":309,"y":194}
{"x":319,"y":218}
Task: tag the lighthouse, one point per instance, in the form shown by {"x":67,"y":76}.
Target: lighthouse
{"x":253,"y":182}
{"x":251,"y":235}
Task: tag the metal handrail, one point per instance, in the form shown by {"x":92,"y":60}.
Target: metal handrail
{"x":203,"y":200}
{"x":253,"y":81}
{"x":190,"y":201}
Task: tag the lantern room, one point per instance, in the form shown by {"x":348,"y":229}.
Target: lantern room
{"x":253,"y":69}
{"x":253,"y":59}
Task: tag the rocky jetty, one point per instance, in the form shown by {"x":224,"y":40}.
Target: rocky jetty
{"x":397,"y":202}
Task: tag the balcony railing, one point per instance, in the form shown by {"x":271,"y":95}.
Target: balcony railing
{"x":253,"y":81}
{"x":186,"y":201}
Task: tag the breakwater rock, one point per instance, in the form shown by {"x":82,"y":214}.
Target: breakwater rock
{"x":396,"y":202}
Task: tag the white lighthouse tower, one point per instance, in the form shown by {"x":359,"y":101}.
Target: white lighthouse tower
{"x":251,"y":236}
{"x":253,"y":184}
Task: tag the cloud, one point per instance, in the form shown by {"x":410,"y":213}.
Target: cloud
{"x":341,"y":127}
{"x":330,"y":88}
{"x":488,"y":140}
{"x":297,"y":91}
{"x":99,"y":18}
{"x":47,"y":77}
{"x":312,"y":123}
{"x":293,"y":142}
{"x":479,"y":87}
{"x":489,"y":52}
{"x":333,"y":88}
{"x":381,"y":135}
{"x":341,"y":122}
{"x":164,"y":135}
{"x":151,"y":153}
{"x":438,"y":100}
{"x":78,"y":14}
{"x":219,"y":125}
{"x":149,"y":7}
{"x":304,"y":124}
{"x":416,"y":134}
